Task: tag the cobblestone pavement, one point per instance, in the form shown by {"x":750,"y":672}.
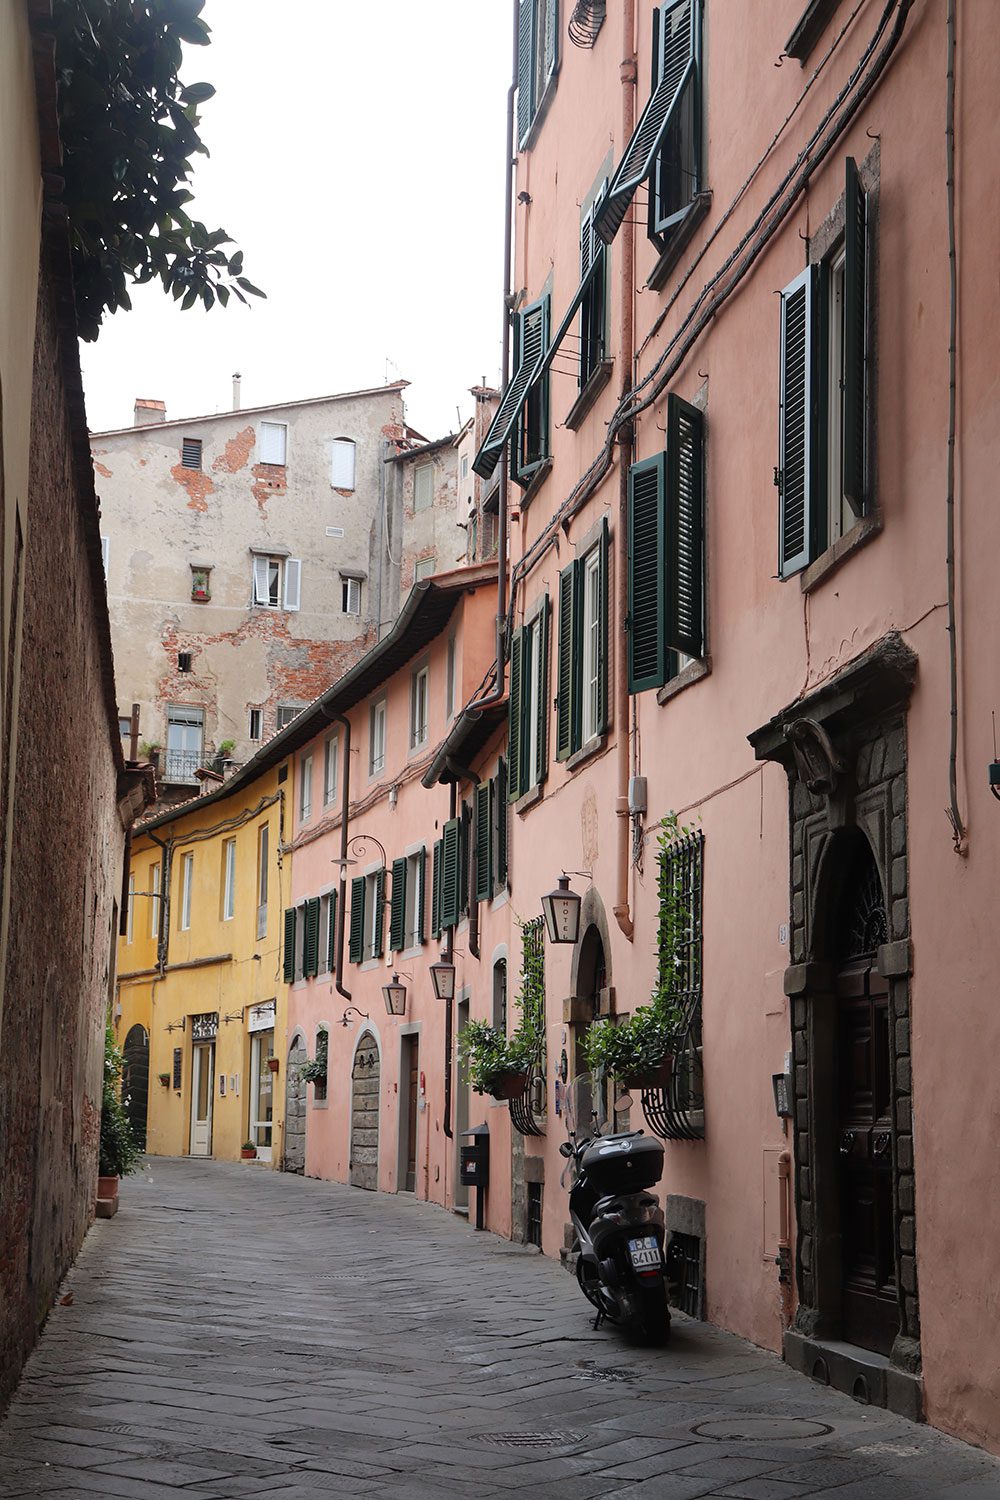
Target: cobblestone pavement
{"x":236,"y":1332}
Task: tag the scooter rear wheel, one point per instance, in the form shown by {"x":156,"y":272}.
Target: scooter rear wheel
{"x":649,"y":1323}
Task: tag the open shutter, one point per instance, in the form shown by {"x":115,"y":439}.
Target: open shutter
{"x":450,"y":858}
{"x":288,"y":969}
{"x":436,"y":889}
{"x":261,"y":583}
{"x":678,"y":30}
{"x":484,"y":843}
{"x":602,"y":630}
{"x":419,"y":901}
{"x":797,"y":426}
{"x":357,"y":919}
{"x":293,"y":582}
{"x":568,"y":664}
{"x":551,"y":40}
{"x":397,"y":911}
{"x":465,"y":843}
{"x":500,"y":803}
{"x":542,"y":668}
{"x":532,"y":344}
{"x":378,"y":937}
{"x":532,"y":332}
{"x":855,"y":339}
{"x":685,"y":527}
{"x":331,"y":932}
{"x":647,"y":652}
{"x":514,"y":715}
{"x":525,"y":69}
{"x":310,"y":944}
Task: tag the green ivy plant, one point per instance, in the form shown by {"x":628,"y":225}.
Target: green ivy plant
{"x":129,"y":132}
{"x":486,"y":1051}
{"x":313,"y":1070}
{"x":119,"y":1151}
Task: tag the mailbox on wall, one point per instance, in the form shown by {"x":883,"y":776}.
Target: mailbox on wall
{"x":475,"y":1166}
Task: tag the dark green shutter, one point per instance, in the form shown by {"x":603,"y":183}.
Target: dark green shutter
{"x":450,"y":859}
{"x":465,"y":843}
{"x":525,"y":68}
{"x":568,"y":665}
{"x":685,"y":527}
{"x":289,"y":956}
{"x":514,"y":716}
{"x":855,"y":340}
{"x":551,"y":41}
{"x":542,"y":668}
{"x":421,"y":892}
{"x":378,"y":946}
{"x":484,"y":843}
{"x":397,"y":912}
{"x":602,"y":630}
{"x":331,"y":932}
{"x":436,"y":889}
{"x":647,"y":652}
{"x":310,"y":941}
{"x":500,"y":802}
{"x":532,"y":341}
{"x":357,"y":919}
{"x":797,"y":424}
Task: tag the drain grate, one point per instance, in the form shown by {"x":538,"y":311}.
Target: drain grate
{"x":532,"y":1439}
{"x":759,"y":1429}
{"x":610,"y":1374}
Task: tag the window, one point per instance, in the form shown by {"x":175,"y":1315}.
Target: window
{"x":131,"y":908}
{"x":263,"y":843}
{"x":489,"y":813}
{"x":255,"y":727}
{"x":500,"y":996}
{"x":447,"y":891}
{"x":423,"y":486}
{"x":191,"y":453}
{"x":593,"y":304}
{"x":823,"y":422}
{"x":277,"y":582}
{"x":305,"y":788}
{"x":272,"y":442}
{"x":449,"y":680}
{"x":530,"y":439}
{"x":679,"y":952}
{"x":228,"y":879}
{"x":666,"y":553}
{"x":187,"y":876}
{"x":342,"y":464}
{"x":125,"y":728}
{"x":350,"y":595}
{"x":528,"y":704}
{"x":322,"y":1056}
{"x":154,"y":904}
{"x":327,"y":930}
{"x":330,"y":770}
{"x":184,"y":661}
{"x":582,"y":663}
{"x":286,"y":713}
{"x":105,"y":553}
{"x":419,"y":694}
{"x":376,"y":738}
{"x":406,"y":911}
{"x":534,"y":1225}
{"x":367,"y":913}
{"x":185,"y":731}
{"x":538,"y":58}
{"x":424,"y":568}
{"x":465,"y":465}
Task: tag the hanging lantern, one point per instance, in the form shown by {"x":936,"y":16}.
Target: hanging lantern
{"x":562,"y":913}
{"x":443,"y":978}
{"x":395,"y":996}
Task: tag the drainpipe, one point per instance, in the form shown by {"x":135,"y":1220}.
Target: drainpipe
{"x":449,"y":957}
{"x":338,"y":970}
{"x":463,"y":773}
{"x":623,"y":915}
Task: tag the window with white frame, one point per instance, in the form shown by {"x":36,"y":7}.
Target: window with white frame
{"x":277,"y":582}
{"x":305,"y":788}
{"x":255,"y":727}
{"x":423,"y":486}
{"x":418,"y":708}
{"x":131,"y":907}
{"x":376,"y":738}
{"x":593,"y":646}
{"x":187,"y":880}
{"x":374,"y":903}
{"x":228,"y":879}
{"x":263,"y":844}
{"x":272,"y":443}
{"x":330,"y":770}
{"x":343,"y":464}
{"x":350,"y":595}
{"x":154,"y":903}
{"x":413,"y":920}
{"x":327,"y":933}
{"x":424,"y":568}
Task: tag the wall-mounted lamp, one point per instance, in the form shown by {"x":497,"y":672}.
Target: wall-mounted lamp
{"x":562,"y":909}
{"x":361,"y":839}
{"x":443,"y":978}
{"x":394,"y":995}
{"x":361,"y":1014}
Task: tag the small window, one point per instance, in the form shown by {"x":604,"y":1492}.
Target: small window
{"x":330,"y":771}
{"x":534,"y":1235}
{"x":286,"y":713}
{"x":228,"y":879}
{"x":530,"y":442}
{"x":105,"y":553}
{"x":131,"y":908}
{"x":376,"y":738}
{"x":500,"y":996}
{"x":201,"y":590}
{"x":272,"y":444}
{"x":413,"y":921}
{"x":183,"y":661}
{"x":277,"y":582}
{"x":593,"y":305}
{"x":187,"y":878}
{"x":424,"y":568}
{"x":125,"y":728}
{"x":305,"y":788}
{"x":418,"y":708}
{"x":263,"y":842}
{"x":322,"y":1053}
{"x":191,"y":453}
{"x":350,"y":596}
{"x":342,"y":464}
{"x":255,"y":727}
{"x":154,"y":903}
{"x":423,"y":487}
{"x":449,"y":679}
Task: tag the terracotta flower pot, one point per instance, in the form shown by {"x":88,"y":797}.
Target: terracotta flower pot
{"x":107,"y":1187}
{"x":248,"y":1153}
{"x":650,"y":1078}
{"x":510,"y":1084}
{"x":272,"y":1063}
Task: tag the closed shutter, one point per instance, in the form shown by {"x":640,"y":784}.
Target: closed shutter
{"x":288,"y":968}
{"x":568,"y":664}
{"x":514,"y":716}
{"x":685,"y":527}
{"x":271,"y":443}
{"x":436,"y":889}
{"x":525,"y":68}
{"x":420,"y":898}
{"x":602,"y":629}
{"x":378,"y":935}
{"x":450,"y":859}
{"x":500,"y":803}
{"x":331,"y":933}
{"x":293,"y":582}
{"x":551,"y":40}
{"x":797,"y":425}
{"x":310,"y":942}
{"x":484,"y":843}
{"x":542,"y":668}
{"x":464,"y":857}
{"x":261,"y":581}
{"x":342,"y":464}
{"x":357,"y":943}
{"x":397,"y":911}
{"x":647,"y":656}
{"x":855,"y":339}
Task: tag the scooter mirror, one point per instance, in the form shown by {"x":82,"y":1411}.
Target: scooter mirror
{"x":565,"y":1149}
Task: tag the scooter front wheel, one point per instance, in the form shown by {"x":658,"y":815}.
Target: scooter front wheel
{"x":649,"y":1319}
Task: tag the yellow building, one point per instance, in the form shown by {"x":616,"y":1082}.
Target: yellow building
{"x":201,"y":1001}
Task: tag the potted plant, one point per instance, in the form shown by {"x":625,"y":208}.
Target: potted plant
{"x":248,"y":1151}
{"x":496,"y":1064}
{"x":118,"y":1150}
{"x":164,"y":1079}
{"x":272,"y":1063}
{"x":313,"y":1070}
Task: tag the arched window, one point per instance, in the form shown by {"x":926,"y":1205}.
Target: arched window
{"x":322,"y":1051}
{"x":500,"y":995}
{"x":342,"y":464}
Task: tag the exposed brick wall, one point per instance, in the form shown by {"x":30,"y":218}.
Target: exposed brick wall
{"x":66,"y":874}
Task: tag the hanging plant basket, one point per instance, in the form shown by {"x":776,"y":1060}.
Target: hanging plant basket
{"x":510,"y":1084}
{"x":657,"y":1077}
{"x":272,"y":1063}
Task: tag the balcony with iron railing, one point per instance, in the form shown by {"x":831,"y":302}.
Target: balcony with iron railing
{"x":180,"y":767}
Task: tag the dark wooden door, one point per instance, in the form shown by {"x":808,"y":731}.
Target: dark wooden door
{"x":135,"y":1082}
{"x":365,"y":1097}
{"x":412,"y":1094}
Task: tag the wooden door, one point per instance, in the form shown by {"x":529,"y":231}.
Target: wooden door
{"x":295,"y":1108}
{"x":411,"y":1081}
{"x":135,"y":1081}
{"x":202,"y":1076}
{"x":365,"y":1097}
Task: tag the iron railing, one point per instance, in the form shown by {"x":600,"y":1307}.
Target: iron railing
{"x":676,"y":1111}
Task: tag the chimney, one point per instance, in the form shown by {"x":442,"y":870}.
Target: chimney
{"x":236,"y":390}
{"x":148,"y":411}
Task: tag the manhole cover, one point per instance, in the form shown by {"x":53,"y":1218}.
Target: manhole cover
{"x":760,"y":1429}
{"x":532,"y":1439}
{"x":612,"y":1374}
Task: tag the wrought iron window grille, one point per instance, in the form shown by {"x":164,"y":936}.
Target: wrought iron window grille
{"x":586,"y":21}
{"x":676,"y":1111}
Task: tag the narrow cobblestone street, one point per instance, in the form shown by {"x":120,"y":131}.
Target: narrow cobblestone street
{"x":237,"y":1332}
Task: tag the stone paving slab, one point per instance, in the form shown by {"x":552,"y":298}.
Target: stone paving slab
{"x":255,"y":1334}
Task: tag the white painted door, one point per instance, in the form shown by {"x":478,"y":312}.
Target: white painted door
{"x":261,"y":1093}
{"x":202,"y":1076}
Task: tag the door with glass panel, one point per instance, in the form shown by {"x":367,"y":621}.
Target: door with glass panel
{"x":261,"y":1093}
{"x":185,"y":729}
{"x":202,"y":1074}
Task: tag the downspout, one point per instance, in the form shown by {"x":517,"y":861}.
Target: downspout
{"x":623,"y":916}
{"x":338,"y":970}
{"x":464,"y":774}
{"x":449,"y":958}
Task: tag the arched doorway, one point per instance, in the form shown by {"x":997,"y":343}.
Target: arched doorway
{"x":135,"y":1081}
{"x":295,"y":1107}
{"x":591,"y":999}
{"x":365,"y":1098}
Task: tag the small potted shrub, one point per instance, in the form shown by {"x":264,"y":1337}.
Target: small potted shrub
{"x":496,"y":1064}
{"x":636,"y":1051}
{"x":272,"y":1063}
{"x":119,"y":1153}
{"x":313,"y":1070}
{"x":164,"y":1079}
{"x":248,"y":1151}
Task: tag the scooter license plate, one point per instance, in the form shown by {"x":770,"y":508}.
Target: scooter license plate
{"x":644,"y":1253}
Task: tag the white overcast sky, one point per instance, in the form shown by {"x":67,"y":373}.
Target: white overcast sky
{"x":357,"y":158}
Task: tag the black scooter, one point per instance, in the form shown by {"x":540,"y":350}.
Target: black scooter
{"x":618,"y":1223}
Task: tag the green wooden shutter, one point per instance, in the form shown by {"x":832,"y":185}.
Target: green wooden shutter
{"x":310,"y":941}
{"x":647,"y":652}
{"x":331,"y":932}
{"x":421,"y":892}
{"x":568,"y":665}
{"x":436,"y":888}
{"x":855,"y":339}
{"x":514,"y":716}
{"x":450,"y":858}
{"x":664,"y":215}
{"x":797,"y":424}
{"x":602,"y":629}
{"x":542,"y":668}
{"x":378,"y":944}
{"x":289,"y":955}
{"x":484,"y":843}
{"x":465,"y":843}
{"x":525,"y":69}
{"x":357,"y":919}
{"x":532,"y":343}
{"x":500,"y":802}
{"x":397,"y":912}
{"x":685,"y":527}
{"x":551,"y":40}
